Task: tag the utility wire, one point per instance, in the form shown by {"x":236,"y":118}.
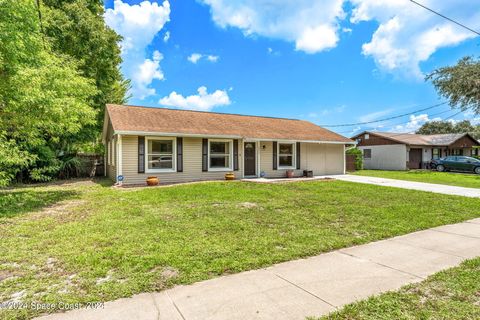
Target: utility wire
{"x":403,"y":122}
{"x":381,"y":120}
{"x":445,"y":17}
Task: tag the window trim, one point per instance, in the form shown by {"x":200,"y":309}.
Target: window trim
{"x":109,"y":153}
{"x":174,"y":154}
{"x":230,"y":164}
{"x":294,"y":155}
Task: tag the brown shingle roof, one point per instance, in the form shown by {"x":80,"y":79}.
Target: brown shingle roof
{"x":162,"y":120}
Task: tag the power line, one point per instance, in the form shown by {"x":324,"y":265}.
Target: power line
{"x":381,"y":120}
{"x":403,"y":122}
{"x":445,"y":17}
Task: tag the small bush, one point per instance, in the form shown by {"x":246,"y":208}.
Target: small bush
{"x":358,"y":157}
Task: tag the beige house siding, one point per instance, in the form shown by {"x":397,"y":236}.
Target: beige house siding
{"x":192,"y":164}
{"x":322,"y":159}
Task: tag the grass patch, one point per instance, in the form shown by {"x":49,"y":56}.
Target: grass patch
{"x":114,"y":243}
{"x":448,"y":178}
{"x":452,"y":294}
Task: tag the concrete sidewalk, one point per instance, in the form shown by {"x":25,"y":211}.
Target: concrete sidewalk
{"x":308,"y":287}
{"x":422,"y":186}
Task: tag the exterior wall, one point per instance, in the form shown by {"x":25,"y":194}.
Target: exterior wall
{"x":426,"y":154}
{"x":386,"y":157}
{"x":373,"y":140}
{"x":322,"y":159}
{"x":110,"y":168}
{"x":192,"y":164}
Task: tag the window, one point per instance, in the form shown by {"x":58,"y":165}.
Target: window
{"x":367,"y":136}
{"x":160,"y":155}
{"x":457,"y":152}
{"x":367,"y":153}
{"x":220,"y":155}
{"x":435,"y":153}
{"x":286,"y":155}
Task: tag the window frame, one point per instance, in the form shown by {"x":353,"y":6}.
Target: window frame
{"x":109,"y":153}
{"x":174,"y":154}
{"x":294,"y":155}
{"x":230,"y":153}
{"x":364,"y":157}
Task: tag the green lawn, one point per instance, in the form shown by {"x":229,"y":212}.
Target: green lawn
{"x":89,"y":242}
{"x":453,"y":294}
{"x":448,"y":178}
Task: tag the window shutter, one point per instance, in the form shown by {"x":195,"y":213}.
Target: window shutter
{"x":141,"y":154}
{"x":205,"y":155}
{"x":235,"y":155}
{"x":179,"y":154}
{"x":297,"y":150}
{"x":274,"y":155}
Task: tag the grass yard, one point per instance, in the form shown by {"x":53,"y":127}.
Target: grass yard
{"x":86,"y":241}
{"x":448,"y":178}
{"x":453,"y":294}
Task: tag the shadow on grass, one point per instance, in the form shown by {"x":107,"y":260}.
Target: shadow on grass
{"x":13,"y":203}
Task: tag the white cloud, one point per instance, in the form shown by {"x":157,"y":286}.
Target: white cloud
{"x":408,"y":35}
{"x":166,"y":36}
{"x":196,"y":57}
{"x":311,"y":25}
{"x":415,"y":123}
{"x":138,"y":25}
{"x":375,"y":115}
{"x":202,"y":101}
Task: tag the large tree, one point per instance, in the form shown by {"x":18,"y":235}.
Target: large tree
{"x":45,"y":101}
{"x":460,"y":84}
{"x":437,"y":127}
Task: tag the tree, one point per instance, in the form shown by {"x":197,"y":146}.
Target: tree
{"x":460,"y":84}
{"x":44,"y":99}
{"x":439,"y":127}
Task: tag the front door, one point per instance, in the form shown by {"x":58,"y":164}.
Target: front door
{"x":249,"y":159}
{"x":415,"y":159}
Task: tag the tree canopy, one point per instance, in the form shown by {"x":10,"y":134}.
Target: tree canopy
{"x":52,"y":95}
{"x":460,"y":84}
{"x":439,"y":127}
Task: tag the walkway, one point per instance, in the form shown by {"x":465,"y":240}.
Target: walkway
{"x":421,"y":186}
{"x":308,"y":287}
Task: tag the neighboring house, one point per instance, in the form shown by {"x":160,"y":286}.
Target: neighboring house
{"x":180,"y":145}
{"x":401,"y":151}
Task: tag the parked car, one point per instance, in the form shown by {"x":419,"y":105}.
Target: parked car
{"x":456,"y":163}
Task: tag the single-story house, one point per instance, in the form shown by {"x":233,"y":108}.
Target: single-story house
{"x":402,"y":151}
{"x":180,"y":145}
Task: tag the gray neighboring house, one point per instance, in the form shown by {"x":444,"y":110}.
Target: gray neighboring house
{"x":402,"y":151}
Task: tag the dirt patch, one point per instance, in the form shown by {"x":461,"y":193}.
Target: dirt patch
{"x":248,"y":205}
{"x":169,"y":273}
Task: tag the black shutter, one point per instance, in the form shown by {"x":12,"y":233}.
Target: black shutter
{"x":205,"y":155}
{"x":274,"y":155}
{"x":141,"y":154}
{"x":179,"y":154}
{"x":235,"y":155}
{"x":298,"y":155}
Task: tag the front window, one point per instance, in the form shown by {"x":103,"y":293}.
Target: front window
{"x":436,"y":153}
{"x":220,"y":155}
{"x":286,"y":155}
{"x":160,"y":155}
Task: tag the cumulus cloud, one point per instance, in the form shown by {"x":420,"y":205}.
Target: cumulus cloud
{"x":415,"y":123}
{"x":138,"y":24}
{"x":166,"y":36}
{"x":311,"y":25}
{"x":202,"y":101}
{"x":196,"y":57}
{"x":408,"y":35}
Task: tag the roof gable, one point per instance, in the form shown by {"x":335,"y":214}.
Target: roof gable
{"x":172,"y":121}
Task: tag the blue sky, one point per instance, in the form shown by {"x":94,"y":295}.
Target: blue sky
{"x":329,"y":62}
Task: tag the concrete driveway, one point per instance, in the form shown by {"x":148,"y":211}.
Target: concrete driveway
{"x":308,"y":287}
{"x":421,"y":186}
